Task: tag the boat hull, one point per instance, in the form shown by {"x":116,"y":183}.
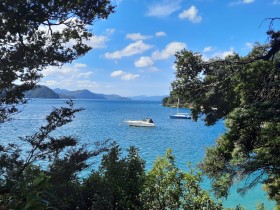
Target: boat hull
{"x":139,"y":123}
{"x":180,"y":116}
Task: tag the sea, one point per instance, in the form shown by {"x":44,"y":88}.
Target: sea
{"x":102,"y":120}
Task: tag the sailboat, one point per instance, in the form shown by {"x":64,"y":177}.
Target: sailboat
{"x":179,"y":115}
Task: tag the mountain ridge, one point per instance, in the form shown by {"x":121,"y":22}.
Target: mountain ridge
{"x":42,"y":91}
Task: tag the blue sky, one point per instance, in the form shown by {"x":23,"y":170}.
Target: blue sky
{"x":133,"y":50}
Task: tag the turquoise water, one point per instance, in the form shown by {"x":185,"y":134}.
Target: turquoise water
{"x":104,"y":120}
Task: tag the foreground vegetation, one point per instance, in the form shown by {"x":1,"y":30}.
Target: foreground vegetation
{"x":36,"y":34}
{"x":119,"y":183}
{"x":243,"y":90}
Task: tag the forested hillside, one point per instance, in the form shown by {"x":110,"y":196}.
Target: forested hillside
{"x":41,"y":91}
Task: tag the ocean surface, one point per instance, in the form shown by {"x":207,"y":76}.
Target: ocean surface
{"x":103,"y":120}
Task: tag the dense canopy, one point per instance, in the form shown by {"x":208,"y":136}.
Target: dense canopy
{"x":39,"y":33}
{"x":245,"y":91}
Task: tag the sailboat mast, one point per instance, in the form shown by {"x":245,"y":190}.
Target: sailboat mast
{"x":178,"y":105}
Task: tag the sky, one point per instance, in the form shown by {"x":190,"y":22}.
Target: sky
{"x":133,"y":50}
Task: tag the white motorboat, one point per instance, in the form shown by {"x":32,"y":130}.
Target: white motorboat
{"x":147,"y":122}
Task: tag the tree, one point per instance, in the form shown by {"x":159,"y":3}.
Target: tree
{"x":118,"y":183}
{"x":21,"y":179}
{"x":35,"y":34}
{"x":172,"y":100}
{"x":245,"y":92}
{"x":167,"y":187}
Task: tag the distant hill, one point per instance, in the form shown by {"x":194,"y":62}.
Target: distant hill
{"x":61,"y":91}
{"x":83,"y":94}
{"x":147,"y":98}
{"x":86,"y":94}
{"x":44,"y":92}
{"x":41,"y":91}
{"x":115,"y":97}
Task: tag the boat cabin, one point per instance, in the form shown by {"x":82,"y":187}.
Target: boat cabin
{"x":148,"y":120}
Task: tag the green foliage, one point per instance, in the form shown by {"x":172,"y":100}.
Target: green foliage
{"x":118,"y":183}
{"x":260,"y":206}
{"x":167,"y":187}
{"x":163,"y":184}
{"x":245,"y":92}
{"x":26,"y":186}
{"x":172,"y":101}
{"x":30,"y":41}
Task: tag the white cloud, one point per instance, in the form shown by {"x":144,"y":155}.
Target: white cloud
{"x":144,"y":62}
{"x":248,"y":1}
{"x":154,"y":69}
{"x":137,"y":36}
{"x":137,"y":47}
{"x":110,"y":31}
{"x":66,"y":71}
{"x":166,"y":53}
{"x":234,"y":3}
{"x":164,"y":8}
{"x":205,"y":57}
{"x":124,"y":75}
{"x":80,"y":65}
{"x":208,"y":49}
{"x":191,"y":14}
{"x":160,"y":33}
{"x":59,"y":71}
{"x":128,"y":76}
{"x":169,"y":50}
{"x":276,"y":2}
{"x":224,"y":53}
{"x":86,"y":84}
{"x":68,"y":84}
{"x":69,"y":76}
{"x":50,"y":83}
{"x":210,"y":52}
{"x":84,"y":74}
{"x":97,"y":41}
{"x":117,"y":73}
{"x":249,"y":45}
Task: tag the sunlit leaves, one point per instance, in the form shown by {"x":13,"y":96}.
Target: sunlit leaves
{"x":167,"y":187}
{"x":35,"y":34}
{"x":245,"y":92}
